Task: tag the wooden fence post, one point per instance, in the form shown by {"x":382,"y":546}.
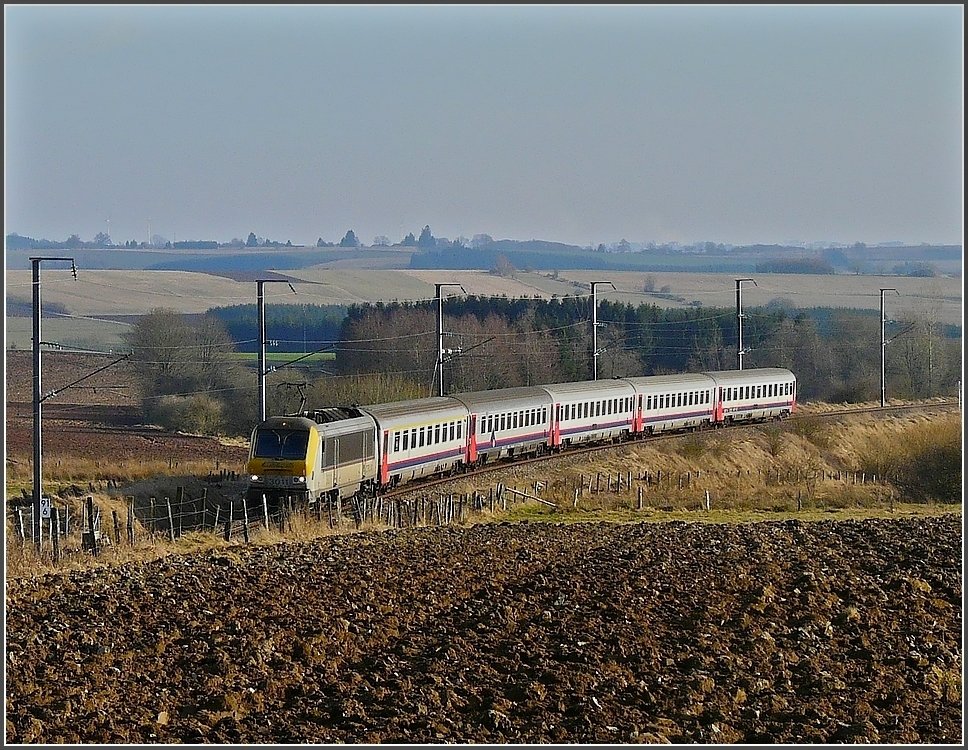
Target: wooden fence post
{"x":245,"y":520}
{"x":90,"y":523}
{"x":20,"y":524}
{"x":55,"y":536}
{"x":265,"y":511}
{"x":171,"y":521}
{"x":640,"y":499}
{"x":228,"y":523}
{"x":117,"y":528}
{"x":130,"y":500}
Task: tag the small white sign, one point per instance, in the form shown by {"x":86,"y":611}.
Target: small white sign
{"x":44,"y":507}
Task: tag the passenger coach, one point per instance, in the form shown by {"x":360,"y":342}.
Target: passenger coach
{"x":591,"y":410}
{"x":506,"y":422}
{"x":419,"y":437}
{"x":742,"y":395}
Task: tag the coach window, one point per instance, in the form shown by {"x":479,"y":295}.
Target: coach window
{"x":396,"y":442}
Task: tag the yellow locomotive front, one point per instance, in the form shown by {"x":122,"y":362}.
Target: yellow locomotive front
{"x":282,"y":457}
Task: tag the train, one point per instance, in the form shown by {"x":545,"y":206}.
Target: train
{"x":335,"y":453}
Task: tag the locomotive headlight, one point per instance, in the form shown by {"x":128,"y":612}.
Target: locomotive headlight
{"x":298,"y":480}
{"x":254,"y":478}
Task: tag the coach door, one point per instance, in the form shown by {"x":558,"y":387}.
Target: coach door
{"x":385,"y":462}
{"x":556,"y":426}
{"x":472,"y":440}
{"x":718,"y":407}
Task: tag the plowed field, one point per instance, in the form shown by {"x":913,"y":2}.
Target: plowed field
{"x":772,"y":632}
{"x":98,"y":423}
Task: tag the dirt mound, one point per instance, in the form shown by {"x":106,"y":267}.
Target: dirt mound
{"x":593,"y":633}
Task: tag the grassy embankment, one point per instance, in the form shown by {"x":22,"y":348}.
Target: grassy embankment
{"x":808,"y":469}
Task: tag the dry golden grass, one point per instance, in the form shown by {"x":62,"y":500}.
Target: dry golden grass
{"x":770,"y":472}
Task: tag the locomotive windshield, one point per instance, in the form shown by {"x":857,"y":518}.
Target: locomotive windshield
{"x":290,"y":444}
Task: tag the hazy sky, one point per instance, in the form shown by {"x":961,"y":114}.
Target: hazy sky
{"x":577,"y":124}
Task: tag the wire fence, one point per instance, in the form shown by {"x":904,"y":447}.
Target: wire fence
{"x":232,"y":515}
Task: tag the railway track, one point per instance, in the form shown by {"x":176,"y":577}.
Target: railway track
{"x":419,"y":486}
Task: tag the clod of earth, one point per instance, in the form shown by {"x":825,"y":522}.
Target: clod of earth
{"x":780,"y":632}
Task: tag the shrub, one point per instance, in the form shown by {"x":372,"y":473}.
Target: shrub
{"x":201,"y":414}
{"x":925,"y":460}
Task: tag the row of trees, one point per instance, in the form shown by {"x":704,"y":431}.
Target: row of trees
{"x":426,"y":241}
{"x":523,"y":342}
{"x":191,"y":380}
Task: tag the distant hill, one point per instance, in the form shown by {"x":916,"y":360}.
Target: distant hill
{"x":519,"y":254}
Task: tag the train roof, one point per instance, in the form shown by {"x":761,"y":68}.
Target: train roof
{"x":332,"y":414}
{"x":666,"y":381}
{"x":511,"y":397}
{"x":725,"y":377}
{"x":589,"y":388}
{"x":291,"y":422}
{"x":440,"y":406}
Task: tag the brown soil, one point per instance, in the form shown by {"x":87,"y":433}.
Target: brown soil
{"x":780,"y":632}
{"x":96,"y":422}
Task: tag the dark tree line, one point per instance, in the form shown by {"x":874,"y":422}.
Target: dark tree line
{"x":191,"y":380}
{"x":508,"y":342}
